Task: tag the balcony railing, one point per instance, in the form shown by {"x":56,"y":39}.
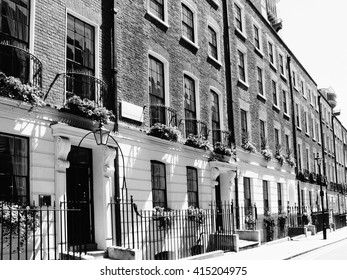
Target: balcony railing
{"x":196,"y":127}
{"x":20,"y":63}
{"x":222,"y":136}
{"x":159,"y":113}
{"x":82,"y":85}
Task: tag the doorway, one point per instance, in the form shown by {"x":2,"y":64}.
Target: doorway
{"x":79,"y":192}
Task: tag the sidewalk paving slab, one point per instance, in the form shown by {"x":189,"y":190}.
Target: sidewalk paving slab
{"x":288,"y":248}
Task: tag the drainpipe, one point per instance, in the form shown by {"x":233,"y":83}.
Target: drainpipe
{"x":228,"y":79}
{"x":293,"y":123}
{"x":114,"y":66}
{"x":335,"y":155}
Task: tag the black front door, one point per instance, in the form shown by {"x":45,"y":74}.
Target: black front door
{"x":219,"y":210}
{"x":79,"y":197}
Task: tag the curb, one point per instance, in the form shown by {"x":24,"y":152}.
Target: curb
{"x":206,"y":256}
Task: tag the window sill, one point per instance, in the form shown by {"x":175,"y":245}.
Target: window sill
{"x":157,"y":21}
{"x":240,"y":34}
{"x":261,"y":97}
{"x":276,"y":108}
{"x":258,"y":52}
{"x":307,"y":134}
{"x":284,"y":78}
{"x":297,"y":90}
{"x":304,"y":96}
{"x":273,"y":67}
{"x":189,"y":44}
{"x":214,"y":4}
{"x":216,"y":63}
{"x":243,"y":84}
{"x":299,"y":128}
{"x":286,"y":116}
{"x":314,"y":139}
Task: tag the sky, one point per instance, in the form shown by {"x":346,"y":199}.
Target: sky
{"x":315,"y":31}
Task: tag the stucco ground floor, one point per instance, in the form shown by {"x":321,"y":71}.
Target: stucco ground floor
{"x":63,"y":169}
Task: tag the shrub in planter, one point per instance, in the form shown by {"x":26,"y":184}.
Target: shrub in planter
{"x":15,"y":221}
{"x":196,"y":214}
{"x":265,"y":151}
{"x":290,"y":159}
{"x":278,"y":154}
{"x":197,"y":142}
{"x":163,"y":217}
{"x":13,"y":88}
{"x":88,"y":109}
{"x":282,"y":220}
{"x":246,"y":143}
{"x":269,"y":223}
{"x":165,"y":132}
{"x":250,"y":222}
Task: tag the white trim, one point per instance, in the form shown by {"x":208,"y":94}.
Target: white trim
{"x":242,"y":49}
{"x":220,"y":104}
{"x":166,"y":75}
{"x":165,"y":22}
{"x":256,"y":23}
{"x":243,"y":18}
{"x":211,"y":22}
{"x":197,"y":90}
{"x":96,"y":38}
{"x":32,"y":26}
{"x":273,"y":63}
{"x":193,"y":8}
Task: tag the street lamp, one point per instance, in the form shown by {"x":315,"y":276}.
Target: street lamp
{"x":319,"y":161}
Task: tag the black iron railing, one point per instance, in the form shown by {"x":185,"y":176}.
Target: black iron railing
{"x":79,"y":84}
{"x":222,"y":136}
{"x":20,"y":63}
{"x":196,"y":127}
{"x":159,"y":113}
{"x":38,"y":233}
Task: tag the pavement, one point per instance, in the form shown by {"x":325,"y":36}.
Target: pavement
{"x":286,"y":249}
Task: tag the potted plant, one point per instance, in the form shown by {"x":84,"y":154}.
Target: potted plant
{"x":246,"y":143}
{"x":282,"y":220}
{"x":269,"y":224}
{"x":165,"y":132}
{"x":290,"y":158}
{"x":278,"y":154}
{"x":88,"y":109}
{"x":163,"y":217}
{"x":265,"y":151}
{"x":13,"y":88}
{"x":250,"y":221}
{"x":196,"y":214}
{"x":197,"y":142}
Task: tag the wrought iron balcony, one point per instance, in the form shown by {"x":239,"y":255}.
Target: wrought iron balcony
{"x":82,"y":85}
{"x":222,"y":136}
{"x":159,"y":113}
{"x":21,"y":64}
{"x":196,"y":127}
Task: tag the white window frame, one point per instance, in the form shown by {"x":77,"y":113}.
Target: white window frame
{"x":214,"y":25}
{"x":246,"y":107}
{"x":277,"y":106}
{"x":193,"y":8}
{"x":260,"y":49}
{"x":262,"y":95}
{"x":164,"y":22}
{"x":220,"y":104}
{"x":287,"y":101}
{"x":197,"y":90}
{"x":284,"y":74}
{"x":298,"y":113}
{"x":307,"y":127}
{"x":273,"y":63}
{"x":243,"y":49}
{"x":96,"y":38}
{"x":295,"y":79}
{"x":243,"y":19}
{"x":166,"y":74}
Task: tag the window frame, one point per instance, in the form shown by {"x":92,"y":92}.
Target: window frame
{"x":260,"y":81}
{"x":213,"y":92}
{"x":239,"y":19}
{"x":213,"y":25}
{"x":154,"y":203}
{"x":266,"y":196}
{"x":195,"y":192}
{"x":165,"y":21}
{"x":23,"y":199}
{"x":191,"y":6}
{"x":247,"y":193}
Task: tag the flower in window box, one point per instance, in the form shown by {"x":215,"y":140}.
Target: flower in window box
{"x":165,"y":132}
{"x":163,"y":217}
{"x":246,"y":144}
{"x":196,"y":214}
{"x":290,"y":158}
{"x":197,"y":142}
{"x":278,"y":154}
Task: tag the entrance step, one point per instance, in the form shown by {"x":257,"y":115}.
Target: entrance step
{"x":246,"y":244}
